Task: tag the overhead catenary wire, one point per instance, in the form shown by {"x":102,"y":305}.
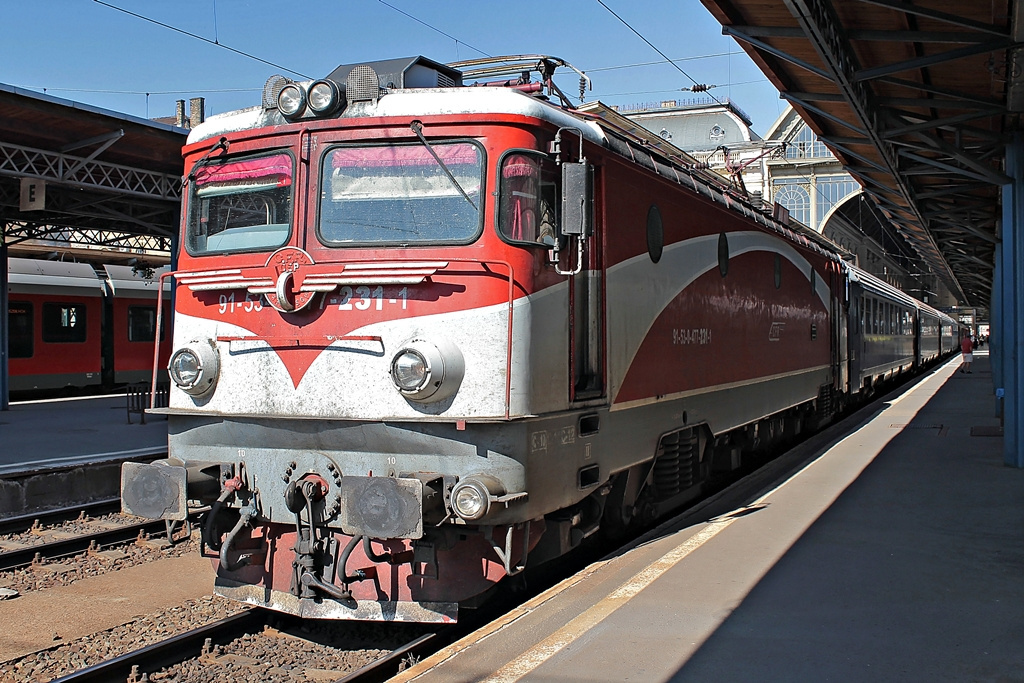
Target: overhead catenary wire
{"x":199,"y":37}
{"x":655,"y":48}
{"x":436,"y":29}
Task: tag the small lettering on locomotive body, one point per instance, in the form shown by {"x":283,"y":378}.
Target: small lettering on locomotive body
{"x":694,"y":336}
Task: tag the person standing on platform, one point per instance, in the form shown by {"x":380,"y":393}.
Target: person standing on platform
{"x":967,"y":349}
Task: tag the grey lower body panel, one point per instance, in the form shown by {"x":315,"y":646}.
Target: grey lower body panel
{"x":327,"y":608}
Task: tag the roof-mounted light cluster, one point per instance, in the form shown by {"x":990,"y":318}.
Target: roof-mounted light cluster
{"x":317,"y":99}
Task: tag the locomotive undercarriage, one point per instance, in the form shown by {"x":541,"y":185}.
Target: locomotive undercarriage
{"x":341,"y":519}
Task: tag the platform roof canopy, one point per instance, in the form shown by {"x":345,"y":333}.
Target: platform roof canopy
{"x":917,"y":100}
{"x":109,"y":179}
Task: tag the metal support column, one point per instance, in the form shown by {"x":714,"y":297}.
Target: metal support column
{"x":1011,"y":306}
{"x":4,"y":323}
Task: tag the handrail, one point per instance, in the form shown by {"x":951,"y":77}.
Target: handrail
{"x":156,"y":345}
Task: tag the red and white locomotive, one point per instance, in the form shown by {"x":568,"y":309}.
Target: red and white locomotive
{"x":427,"y":334}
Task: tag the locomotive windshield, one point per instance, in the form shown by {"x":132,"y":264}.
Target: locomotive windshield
{"x":240,"y":205}
{"x":400,"y":194}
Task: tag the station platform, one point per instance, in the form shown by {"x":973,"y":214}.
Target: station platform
{"x":888,"y":547}
{"x":47,"y":434}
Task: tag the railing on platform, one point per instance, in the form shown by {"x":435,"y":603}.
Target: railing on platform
{"x":138,"y":398}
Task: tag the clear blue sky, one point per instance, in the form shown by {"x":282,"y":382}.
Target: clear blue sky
{"x":85,"y":51}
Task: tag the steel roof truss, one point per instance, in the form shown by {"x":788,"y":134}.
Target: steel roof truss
{"x":991,"y":175}
{"x":932,"y":60}
{"x":765,"y":47}
{"x":938,"y":16}
{"x":929,"y":88}
{"x":938,"y":123}
{"x":64,"y":169}
{"x":824,"y":114}
{"x":986,"y":175}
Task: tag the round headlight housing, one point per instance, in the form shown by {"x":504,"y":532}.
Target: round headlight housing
{"x":324,"y":97}
{"x":185,"y":368}
{"x":291,"y":101}
{"x":471,"y":498}
{"x":410,"y":371}
{"x":194,"y":367}
{"x":427,"y":371}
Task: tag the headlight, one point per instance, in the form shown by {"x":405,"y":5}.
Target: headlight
{"x":195,"y":367}
{"x":471,"y":498}
{"x":324,"y":97}
{"x":409,"y":371}
{"x":427,"y":371}
{"x":291,"y":100}
{"x":184,"y":368}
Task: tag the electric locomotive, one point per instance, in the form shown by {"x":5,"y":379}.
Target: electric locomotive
{"x":427,"y":334}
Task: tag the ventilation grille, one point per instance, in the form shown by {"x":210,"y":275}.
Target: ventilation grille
{"x":362,"y":84}
{"x":272,"y":89}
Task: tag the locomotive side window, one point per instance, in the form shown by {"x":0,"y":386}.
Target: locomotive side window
{"x":655,"y":234}
{"x":63,"y":323}
{"x":19,"y":321}
{"x":723,"y":254}
{"x":528,"y":199}
{"x":142,"y":324}
{"x":401,"y":194}
{"x":240,"y":205}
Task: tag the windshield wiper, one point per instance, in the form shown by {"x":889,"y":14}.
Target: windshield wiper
{"x":221,"y":144}
{"x":417,"y":127}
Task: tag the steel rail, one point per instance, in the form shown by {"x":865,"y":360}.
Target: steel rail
{"x":174,"y":650}
{"x":22,"y":557}
{"x":389,"y":665}
{"x":22,"y":523}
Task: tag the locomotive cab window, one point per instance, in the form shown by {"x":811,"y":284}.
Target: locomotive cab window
{"x":19,"y":322}
{"x":64,"y":323}
{"x":401,"y":194}
{"x":240,"y":204}
{"x":528,"y":199}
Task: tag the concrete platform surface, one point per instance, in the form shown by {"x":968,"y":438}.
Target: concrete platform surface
{"x":61,"y":432}
{"x":895,"y":554}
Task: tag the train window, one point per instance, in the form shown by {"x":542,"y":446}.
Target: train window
{"x":528,"y":198}
{"x":240,"y":204}
{"x":723,"y":254}
{"x":142,"y":324}
{"x":655,"y":233}
{"x":19,"y":324}
{"x":402,"y":194}
{"x":64,"y":323}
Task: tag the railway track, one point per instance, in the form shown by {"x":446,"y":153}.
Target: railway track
{"x":205,"y":647}
{"x":15,"y":554}
{"x":21,"y":523}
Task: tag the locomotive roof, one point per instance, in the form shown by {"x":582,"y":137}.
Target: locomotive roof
{"x":415,"y":102}
{"x":597,"y":123}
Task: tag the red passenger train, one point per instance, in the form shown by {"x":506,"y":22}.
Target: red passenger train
{"x":426,"y":335}
{"x":72,"y":327}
